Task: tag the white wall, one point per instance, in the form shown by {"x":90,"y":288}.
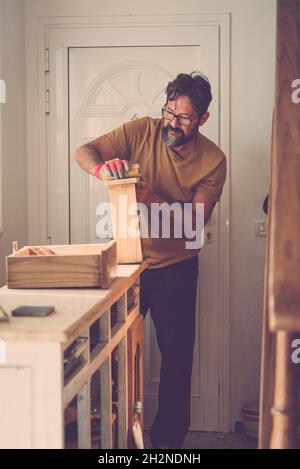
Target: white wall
{"x":13,"y":140}
{"x":252,"y":57}
{"x":253,"y":77}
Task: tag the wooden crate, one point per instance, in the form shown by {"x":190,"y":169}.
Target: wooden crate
{"x":74,"y":265}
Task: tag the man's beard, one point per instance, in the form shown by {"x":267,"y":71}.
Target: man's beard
{"x":177,"y":137}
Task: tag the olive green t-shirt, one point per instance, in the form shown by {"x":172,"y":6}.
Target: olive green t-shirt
{"x":172,"y":177}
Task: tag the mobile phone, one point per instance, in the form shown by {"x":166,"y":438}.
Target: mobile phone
{"x":23,"y":311}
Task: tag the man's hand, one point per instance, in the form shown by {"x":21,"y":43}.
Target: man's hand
{"x":143,"y":193}
{"x":114,"y":168}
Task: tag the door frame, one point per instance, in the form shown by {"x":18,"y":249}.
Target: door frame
{"x":38,"y":30}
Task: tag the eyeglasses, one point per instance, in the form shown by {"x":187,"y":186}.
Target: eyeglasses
{"x":186,"y":121}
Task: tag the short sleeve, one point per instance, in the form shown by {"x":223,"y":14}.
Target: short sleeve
{"x":125,"y":137}
{"x":211,"y":186}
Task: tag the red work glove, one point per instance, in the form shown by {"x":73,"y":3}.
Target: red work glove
{"x":115,"y":168}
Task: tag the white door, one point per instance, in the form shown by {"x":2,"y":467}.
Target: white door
{"x":107,"y":86}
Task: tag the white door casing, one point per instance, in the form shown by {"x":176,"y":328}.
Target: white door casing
{"x":130,"y":32}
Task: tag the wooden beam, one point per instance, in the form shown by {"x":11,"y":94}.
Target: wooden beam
{"x":267,"y":370}
{"x":284,"y":269}
{"x":285,"y":427}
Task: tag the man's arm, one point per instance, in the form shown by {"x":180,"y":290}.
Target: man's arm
{"x":95,"y":153}
{"x":209,"y":205}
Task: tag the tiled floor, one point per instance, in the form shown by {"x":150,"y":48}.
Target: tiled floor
{"x":214,"y":440}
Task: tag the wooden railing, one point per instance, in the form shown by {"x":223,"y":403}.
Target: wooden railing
{"x":279,"y":406}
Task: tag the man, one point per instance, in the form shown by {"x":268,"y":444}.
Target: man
{"x":177,"y":164}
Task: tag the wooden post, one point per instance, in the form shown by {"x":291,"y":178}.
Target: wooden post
{"x":126,"y":228}
{"x":135,"y":373}
{"x":268,"y":354}
{"x":285,"y":431}
{"x":267,"y":371}
{"x":282,"y":298}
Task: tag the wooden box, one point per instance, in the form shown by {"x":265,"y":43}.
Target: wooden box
{"x":74,"y":265}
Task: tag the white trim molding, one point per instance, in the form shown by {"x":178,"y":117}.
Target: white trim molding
{"x":2,"y":92}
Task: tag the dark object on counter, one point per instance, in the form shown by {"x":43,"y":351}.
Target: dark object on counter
{"x":24,"y":311}
{"x":266,"y":204}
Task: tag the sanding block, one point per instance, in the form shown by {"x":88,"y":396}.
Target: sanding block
{"x":133,"y":172}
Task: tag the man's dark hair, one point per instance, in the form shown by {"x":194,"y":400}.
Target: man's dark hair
{"x":196,"y":86}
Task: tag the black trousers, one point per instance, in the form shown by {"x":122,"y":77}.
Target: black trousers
{"x":170,"y":294}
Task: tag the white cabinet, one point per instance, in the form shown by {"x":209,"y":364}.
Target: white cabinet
{"x":65,"y":376}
